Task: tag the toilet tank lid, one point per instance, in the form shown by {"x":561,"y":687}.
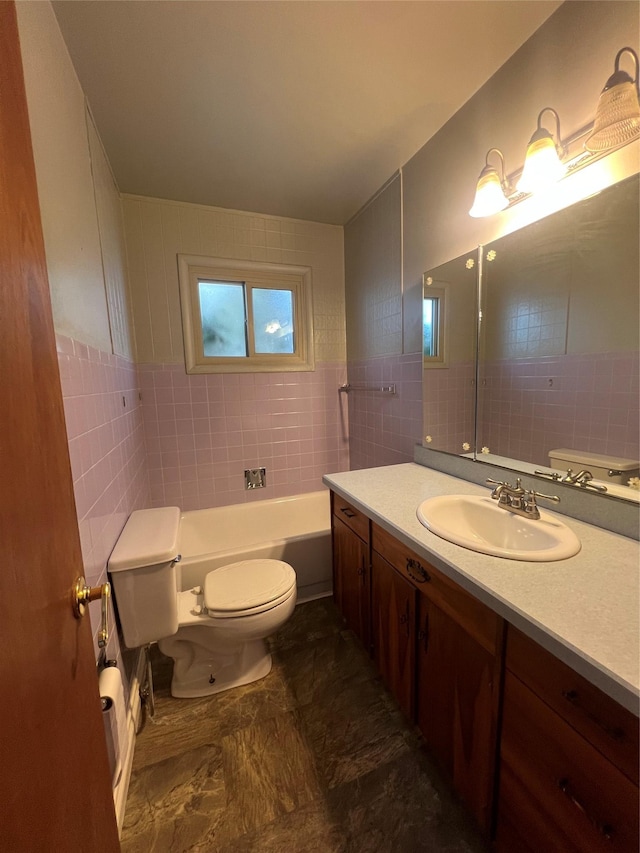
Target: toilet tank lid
{"x":149,"y":537}
{"x":600,"y":460}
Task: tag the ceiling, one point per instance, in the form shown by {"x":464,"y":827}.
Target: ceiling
{"x":299,"y":109}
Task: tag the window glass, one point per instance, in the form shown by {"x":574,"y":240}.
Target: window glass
{"x":241,"y":316}
{"x":223,"y":316}
{"x":272,"y":320}
{"x":430,"y":326}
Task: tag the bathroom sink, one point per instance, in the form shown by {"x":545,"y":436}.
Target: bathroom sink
{"x":480,"y":524}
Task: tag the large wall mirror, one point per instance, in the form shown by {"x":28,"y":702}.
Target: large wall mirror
{"x":557,"y":308}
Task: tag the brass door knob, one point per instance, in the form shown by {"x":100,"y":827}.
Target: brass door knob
{"x":82,"y":594}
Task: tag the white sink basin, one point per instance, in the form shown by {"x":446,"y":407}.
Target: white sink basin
{"x":480,"y":524}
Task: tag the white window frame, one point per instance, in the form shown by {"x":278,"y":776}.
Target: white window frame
{"x":195,"y":268}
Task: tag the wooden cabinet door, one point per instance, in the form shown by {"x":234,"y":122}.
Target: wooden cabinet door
{"x":456,"y":706}
{"x":557,"y":791}
{"x":393,"y":616}
{"x":351,"y":580}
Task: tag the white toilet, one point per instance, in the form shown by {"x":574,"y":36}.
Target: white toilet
{"x":215,"y":633}
{"x":607,"y":469}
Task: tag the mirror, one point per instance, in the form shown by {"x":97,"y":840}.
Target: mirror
{"x":558,"y":346}
{"x":449,"y":355}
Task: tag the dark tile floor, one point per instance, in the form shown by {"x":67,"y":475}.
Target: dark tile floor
{"x":315,"y":757}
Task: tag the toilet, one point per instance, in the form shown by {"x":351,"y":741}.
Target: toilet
{"x":216,"y":632}
{"x":607,"y":469}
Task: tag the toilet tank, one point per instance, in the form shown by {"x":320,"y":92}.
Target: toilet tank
{"x":598,"y":463}
{"x":144,"y":575}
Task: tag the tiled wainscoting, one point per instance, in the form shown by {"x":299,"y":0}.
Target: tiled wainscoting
{"x":202,"y":432}
{"x":449,"y":395}
{"x":383,"y":428}
{"x":106,"y":446}
{"x":587,"y":402}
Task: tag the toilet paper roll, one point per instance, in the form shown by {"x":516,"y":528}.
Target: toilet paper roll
{"x":114,"y":717}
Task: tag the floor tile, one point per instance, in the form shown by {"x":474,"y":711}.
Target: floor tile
{"x":315,"y":757}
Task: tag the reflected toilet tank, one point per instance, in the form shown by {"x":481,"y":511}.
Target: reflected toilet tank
{"x":600,"y":465}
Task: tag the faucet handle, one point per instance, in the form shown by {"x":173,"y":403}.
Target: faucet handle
{"x":553,"y":498}
{"x":495,"y":482}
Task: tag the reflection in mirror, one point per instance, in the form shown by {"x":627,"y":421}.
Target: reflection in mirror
{"x":558,"y":365}
{"x":434,"y":312}
{"x":449,"y":344}
{"x":558,"y":354}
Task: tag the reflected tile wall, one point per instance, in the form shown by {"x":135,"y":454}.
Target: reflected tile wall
{"x":449,"y":407}
{"x":202,"y":432}
{"x":383,"y":429}
{"x":585,"y":402}
{"x":106,"y":447}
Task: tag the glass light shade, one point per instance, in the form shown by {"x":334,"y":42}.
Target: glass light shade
{"x":490,"y":197}
{"x":617,"y":118}
{"x":542,"y":166}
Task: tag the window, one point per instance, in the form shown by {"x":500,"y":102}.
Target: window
{"x":433,"y":324}
{"x":240,"y":316}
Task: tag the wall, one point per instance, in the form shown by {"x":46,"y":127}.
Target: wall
{"x":202,"y":432}
{"x":99,"y":387}
{"x":382,"y":427}
{"x":563,"y":65}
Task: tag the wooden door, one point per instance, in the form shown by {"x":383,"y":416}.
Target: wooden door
{"x":55,"y":786}
{"x":351,"y":565}
{"x":393,"y":616}
{"x":456,"y":706}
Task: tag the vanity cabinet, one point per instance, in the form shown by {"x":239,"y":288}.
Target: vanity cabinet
{"x":439,"y":651}
{"x":559,"y":772}
{"x":568,"y":772}
{"x":351,"y":567}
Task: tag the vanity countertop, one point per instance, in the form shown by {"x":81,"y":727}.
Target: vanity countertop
{"x":584,"y":609}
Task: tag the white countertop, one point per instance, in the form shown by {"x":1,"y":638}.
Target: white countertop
{"x":584,"y":609}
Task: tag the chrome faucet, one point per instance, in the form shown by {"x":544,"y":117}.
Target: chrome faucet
{"x":582,"y":479}
{"x":518,"y":500}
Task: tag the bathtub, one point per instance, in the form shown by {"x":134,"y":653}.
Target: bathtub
{"x":296,"y":530}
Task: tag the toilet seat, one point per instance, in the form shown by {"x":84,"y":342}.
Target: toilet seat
{"x":248,"y":587}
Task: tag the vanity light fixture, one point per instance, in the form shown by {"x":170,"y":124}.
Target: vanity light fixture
{"x":543,"y":164}
{"x":492,"y":190}
{"x":617,"y":118}
{"x":549,"y":158}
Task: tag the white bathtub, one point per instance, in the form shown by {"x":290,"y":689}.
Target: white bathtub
{"x":296,"y":530}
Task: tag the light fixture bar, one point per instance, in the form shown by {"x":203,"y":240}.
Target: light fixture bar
{"x":576,"y":158}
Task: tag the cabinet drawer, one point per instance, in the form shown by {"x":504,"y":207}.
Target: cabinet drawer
{"x":556,"y":791}
{"x":603,"y":722}
{"x":476,"y":618}
{"x":351,"y":516}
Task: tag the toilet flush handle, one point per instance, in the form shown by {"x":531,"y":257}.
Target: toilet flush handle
{"x":82,"y":594}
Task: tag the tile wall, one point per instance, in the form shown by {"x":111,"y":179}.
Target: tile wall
{"x":106,"y":446}
{"x":585,"y":402}
{"x":449,"y":407}
{"x":157,"y":231}
{"x":202,"y":432}
{"x":383,"y":428}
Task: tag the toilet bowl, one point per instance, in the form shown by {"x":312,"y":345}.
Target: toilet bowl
{"x":214,"y":633}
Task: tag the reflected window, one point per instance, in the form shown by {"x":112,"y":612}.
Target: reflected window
{"x":433,"y":324}
{"x":430,"y":311}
